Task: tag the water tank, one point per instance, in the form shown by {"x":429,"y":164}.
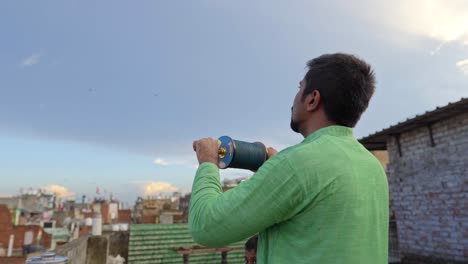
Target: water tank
{"x":96,"y":230}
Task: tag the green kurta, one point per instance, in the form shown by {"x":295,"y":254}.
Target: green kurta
{"x":323,"y":201}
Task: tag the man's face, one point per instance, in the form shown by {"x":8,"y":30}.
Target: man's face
{"x":251,"y":256}
{"x":297,"y":110}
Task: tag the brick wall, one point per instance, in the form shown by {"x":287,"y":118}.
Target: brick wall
{"x":147,"y":219}
{"x":125,"y":216}
{"x":12,"y":260}
{"x":429,"y":187}
{"x":105,"y":213}
{"x":88,"y":215}
{"x":19,"y":231}
{"x":7,"y":229}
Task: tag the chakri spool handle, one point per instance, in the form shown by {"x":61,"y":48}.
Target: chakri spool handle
{"x":240,"y":154}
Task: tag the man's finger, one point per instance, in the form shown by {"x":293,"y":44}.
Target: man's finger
{"x":271,"y":152}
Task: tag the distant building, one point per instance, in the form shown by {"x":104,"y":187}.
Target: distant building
{"x":428,"y":180}
{"x":148,"y":210}
{"x":31,"y":208}
{"x":26,"y":238}
{"x":170,"y":217}
{"x":184,"y":203}
{"x":231,"y":183}
{"x":125,"y":216}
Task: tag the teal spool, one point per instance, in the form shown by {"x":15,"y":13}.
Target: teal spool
{"x":240,"y":154}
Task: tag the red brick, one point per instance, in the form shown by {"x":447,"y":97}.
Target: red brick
{"x":125,"y":216}
{"x":85,"y":230}
{"x":12,"y":260}
{"x":148,"y":219}
{"x":88,"y":215}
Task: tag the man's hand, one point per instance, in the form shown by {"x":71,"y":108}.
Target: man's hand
{"x":271,"y":152}
{"x":207,"y":150}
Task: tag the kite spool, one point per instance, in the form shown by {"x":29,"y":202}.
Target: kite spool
{"x":240,"y":154}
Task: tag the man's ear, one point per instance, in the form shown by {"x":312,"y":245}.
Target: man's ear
{"x":312,"y":101}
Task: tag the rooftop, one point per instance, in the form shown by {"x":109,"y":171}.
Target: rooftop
{"x":159,"y":243}
{"x":378,"y":140}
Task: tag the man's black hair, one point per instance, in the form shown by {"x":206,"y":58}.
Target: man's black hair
{"x":251,"y":243}
{"x":346,"y":84}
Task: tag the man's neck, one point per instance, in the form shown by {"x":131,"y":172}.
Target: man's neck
{"x":312,"y":127}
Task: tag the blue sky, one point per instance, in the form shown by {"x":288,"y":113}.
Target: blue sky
{"x":112,"y":93}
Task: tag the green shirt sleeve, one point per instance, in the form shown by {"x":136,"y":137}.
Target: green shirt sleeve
{"x":272,"y":195}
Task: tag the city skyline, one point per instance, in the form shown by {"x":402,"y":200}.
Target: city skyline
{"x":112,"y":94}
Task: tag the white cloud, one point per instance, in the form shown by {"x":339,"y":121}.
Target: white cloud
{"x":436,"y":51}
{"x":161,"y":162}
{"x":463,"y":66}
{"x":462,"y":63}
{"x":31,"y":60}
{"x":153,"y":188}
{"x":445,"y":21}
{"x":58,"y":190}
{"x":440,"y":20}
{"x":184,"y":159}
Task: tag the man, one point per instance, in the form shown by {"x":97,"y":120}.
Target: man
{"x":251,"y":250}
{"x":324,"y":200}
